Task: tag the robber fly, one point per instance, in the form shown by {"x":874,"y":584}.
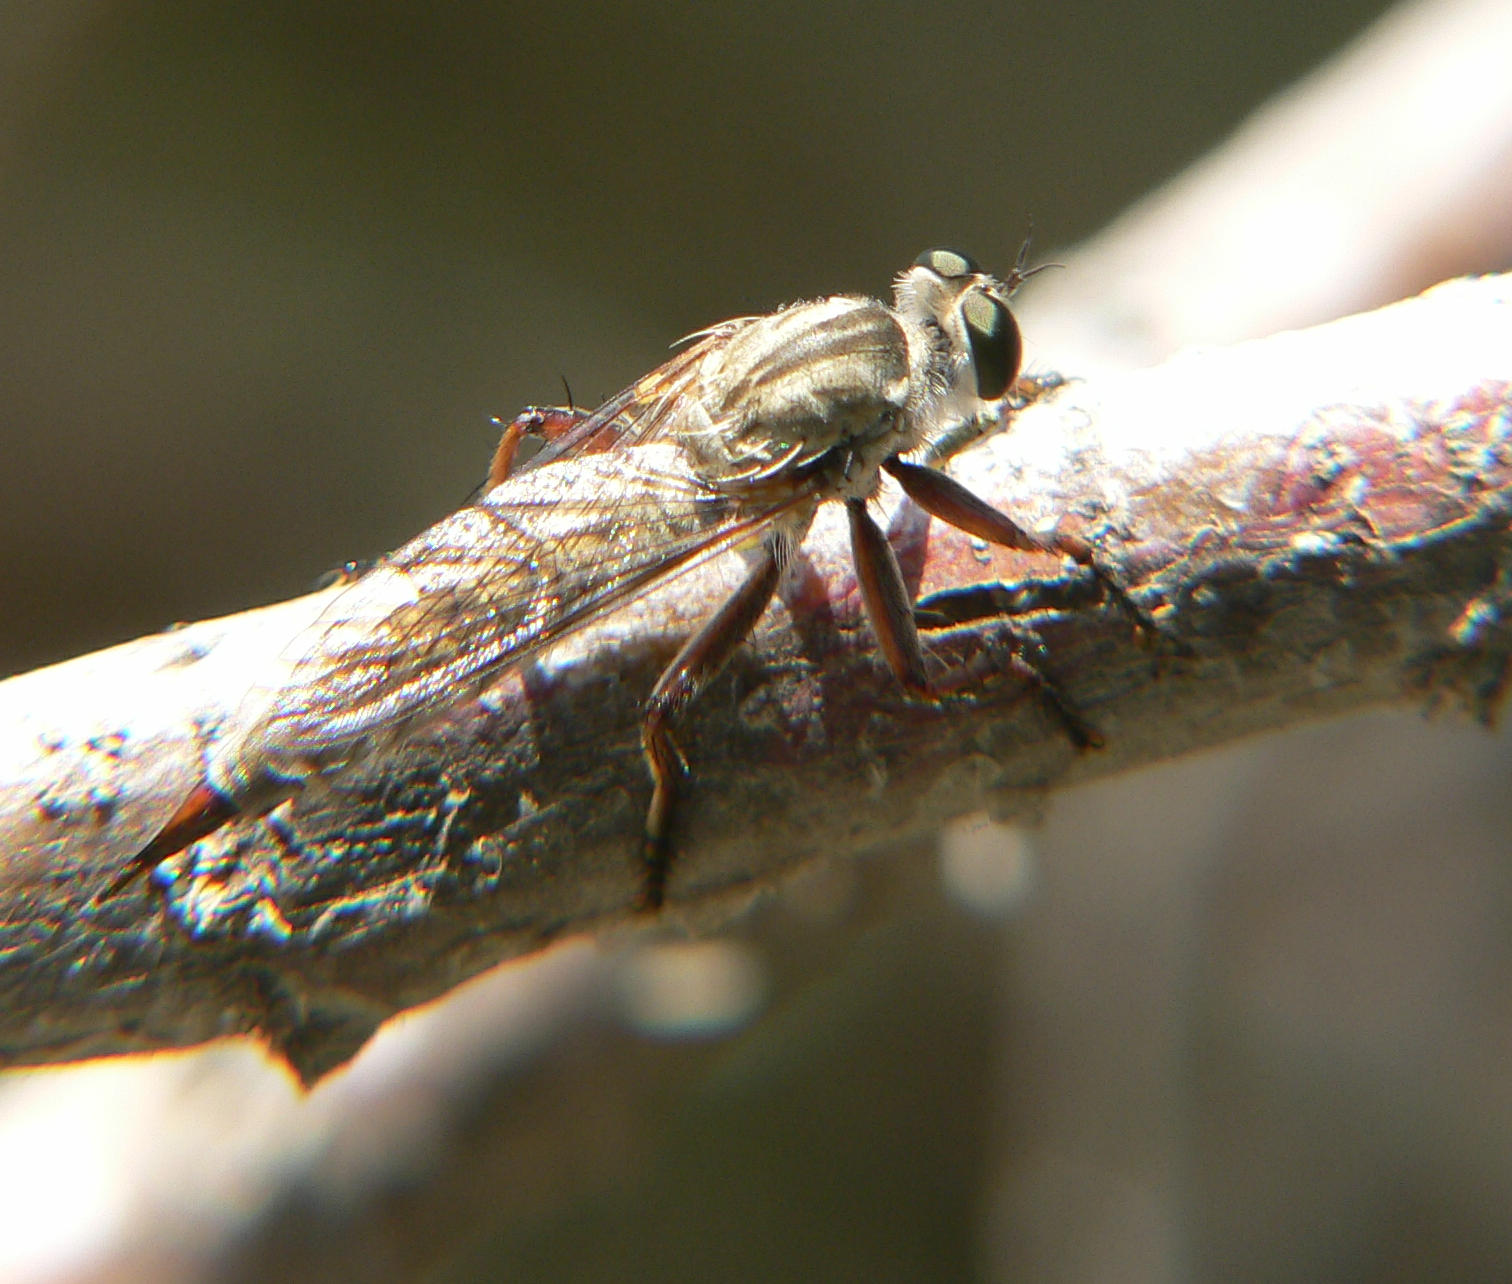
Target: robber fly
{"x":732,"y":444}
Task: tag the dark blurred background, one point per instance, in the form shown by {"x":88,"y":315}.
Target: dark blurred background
{"x":266,"y":271}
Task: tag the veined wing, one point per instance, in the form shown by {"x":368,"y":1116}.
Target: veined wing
{"x":546,"y":551}
{"x":641,"y":414}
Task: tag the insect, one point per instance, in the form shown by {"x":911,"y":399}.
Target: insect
{"x":732,"y":444}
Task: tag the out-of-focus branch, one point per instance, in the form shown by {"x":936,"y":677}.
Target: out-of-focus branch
{"x":1318,"y":519}
{"x":1386,"y":169}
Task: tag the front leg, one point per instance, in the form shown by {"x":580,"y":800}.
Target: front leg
{"x":944,"y":497}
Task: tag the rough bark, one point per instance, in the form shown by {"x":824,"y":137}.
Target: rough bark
{"x":1318,"y":521}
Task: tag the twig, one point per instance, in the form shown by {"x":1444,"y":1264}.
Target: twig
{"x":1382,"y":171}
{"x":1320,"y":517}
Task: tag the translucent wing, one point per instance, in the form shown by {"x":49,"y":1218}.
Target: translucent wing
{"x":607,"y":511}
{"x":648,"y":408}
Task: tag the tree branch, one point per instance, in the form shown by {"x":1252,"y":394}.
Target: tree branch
{"x":1320,"y":518}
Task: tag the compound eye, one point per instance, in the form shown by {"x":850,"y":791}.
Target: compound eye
{"x":996,"y":348}
{"x":949,"y":264}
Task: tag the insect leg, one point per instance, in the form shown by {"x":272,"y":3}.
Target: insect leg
{"x":695,"y":665}
{"x":1017,"y":649}
{"x":887,"y":602}
{"x":502,"y":464}
{"x":890,"y":611}
{"x":947,"y":499}
{"x":543,"y":425}
{"x":201,"y":814}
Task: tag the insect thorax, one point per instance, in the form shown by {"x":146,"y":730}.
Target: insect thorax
{"x":785,"y":389}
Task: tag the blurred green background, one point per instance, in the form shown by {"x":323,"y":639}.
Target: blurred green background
{"x":266,"y":271}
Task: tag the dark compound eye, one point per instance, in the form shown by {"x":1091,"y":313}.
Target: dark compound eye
{"x":996,"y":348}
{"x":947,"y":263}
